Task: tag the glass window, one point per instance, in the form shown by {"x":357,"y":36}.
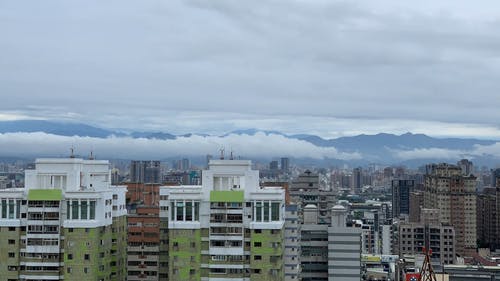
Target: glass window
{"x":275,"y":211}
{"x":68,"y":209}
{"x":189,"y":211}
{"x":92,"y":210}
{"x":74,"y":209}
{"x":172,"y":210}
{"x":12,"y":209}
{"x":18,"y":208}
{"x":83,"y":210}
{"x":196,"y":211}
{"x":4,"y":209}
{"x":266,"y":211}
{"x":180,"y":211}
{"x":258,"y":211}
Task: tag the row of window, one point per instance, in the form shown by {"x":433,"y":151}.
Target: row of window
{"x":10,"y":208}
{"x":80,"y":209}
{"x":185,"y":210}
{"x":266,"y":211}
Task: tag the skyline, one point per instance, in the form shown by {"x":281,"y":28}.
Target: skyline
{"x":329,"y":68}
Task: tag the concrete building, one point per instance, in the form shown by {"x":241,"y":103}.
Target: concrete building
{"x":305,"y":190}
{"x":466,"y":166}
{"x":144,"y":233}
{"x":429,"y":233}
{"x":68,"y":223}
{"x":344,"y":248}
{"x":401,"y":197}
{"x":314,"y":246}
{"x":454,"y":194}
{"x":487,"y":218}
{"x":357,"y":180}
{"x":285,"y":164}
{"x":416,"y":204}
{"x":273,"y":165}
{"x":291,"y":258}
{"x":228,"y":228}
{"x":145,"y":172}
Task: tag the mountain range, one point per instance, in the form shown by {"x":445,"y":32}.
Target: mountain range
{"x":379,"y":148}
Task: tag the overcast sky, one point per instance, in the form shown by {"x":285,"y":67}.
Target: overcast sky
{"x":330,"y":68}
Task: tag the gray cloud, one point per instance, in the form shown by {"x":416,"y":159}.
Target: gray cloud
{"x":447,"y":154}
{"x":159,"y":64}
{"x":259,"y":145}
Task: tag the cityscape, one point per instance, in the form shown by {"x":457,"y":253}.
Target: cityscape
{"x":231,"y":219}
{"x":275,"y":140}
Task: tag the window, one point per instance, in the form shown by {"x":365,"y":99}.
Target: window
{"x":189,"y":211}
{"x":275,"y":211}
{"x":258,"y":211}
{"x":257,"y":258}
{"x":257,"y":244}
{"x":74,"y":210}
{"x":12,"y":255}
{"x":83,"y":210}
{"x":180,"y":211}
{"x":70,"y":256}
{"x":92,"y":210}
{"x":85,"y":270}
{"x":86,"y":257}
{"x":12,"y":241}
{"x":266,"y":211}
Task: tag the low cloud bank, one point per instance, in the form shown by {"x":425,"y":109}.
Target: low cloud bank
{"x":260,"y":145}
{"x":443,"y":153}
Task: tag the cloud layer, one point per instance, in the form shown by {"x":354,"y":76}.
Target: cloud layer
{"x":168,"y":64}
{"x":256,"y":146}
{"x":259,"y":145}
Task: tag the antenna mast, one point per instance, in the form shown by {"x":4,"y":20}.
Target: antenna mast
{"x":427,"y":273}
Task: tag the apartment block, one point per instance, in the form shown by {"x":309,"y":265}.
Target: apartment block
{"x":401,"y":197}
{"x":292,"y":243}
{"x":454,"y":194}
{"x":68,"y":223}
{"x":228,"y":228}
{"x":344,"y":248}
{"x":306,"y":190}
{"x":429,"y":233}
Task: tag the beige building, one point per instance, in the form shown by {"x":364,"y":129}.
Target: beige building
{"x":454,"y":194}
{"x":411,"y":237}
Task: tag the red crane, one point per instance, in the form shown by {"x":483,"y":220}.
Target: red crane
{"x":427,"y":273}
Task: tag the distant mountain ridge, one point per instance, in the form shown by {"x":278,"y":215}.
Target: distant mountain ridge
{"x":373,"y":148}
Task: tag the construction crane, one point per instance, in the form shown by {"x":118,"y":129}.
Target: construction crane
{"x":427,"y":273}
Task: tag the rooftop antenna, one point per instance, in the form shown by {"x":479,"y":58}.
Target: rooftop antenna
{"x":72,"y":155}
{"x":231,"y":157}
{"x":91,"y":157}
{"x":222,"y":153}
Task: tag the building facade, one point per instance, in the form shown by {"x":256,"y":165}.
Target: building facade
{"x":401,"y":197}
{"x":229,"y":228}
{"x":68,"y":223}
{"x":145,"y":171}
{"x":305,"y":190}
{"x":447,"y":189}
{"x":344,"y":248}
{"x":292,"y":243}
{"x":411,"y":237}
